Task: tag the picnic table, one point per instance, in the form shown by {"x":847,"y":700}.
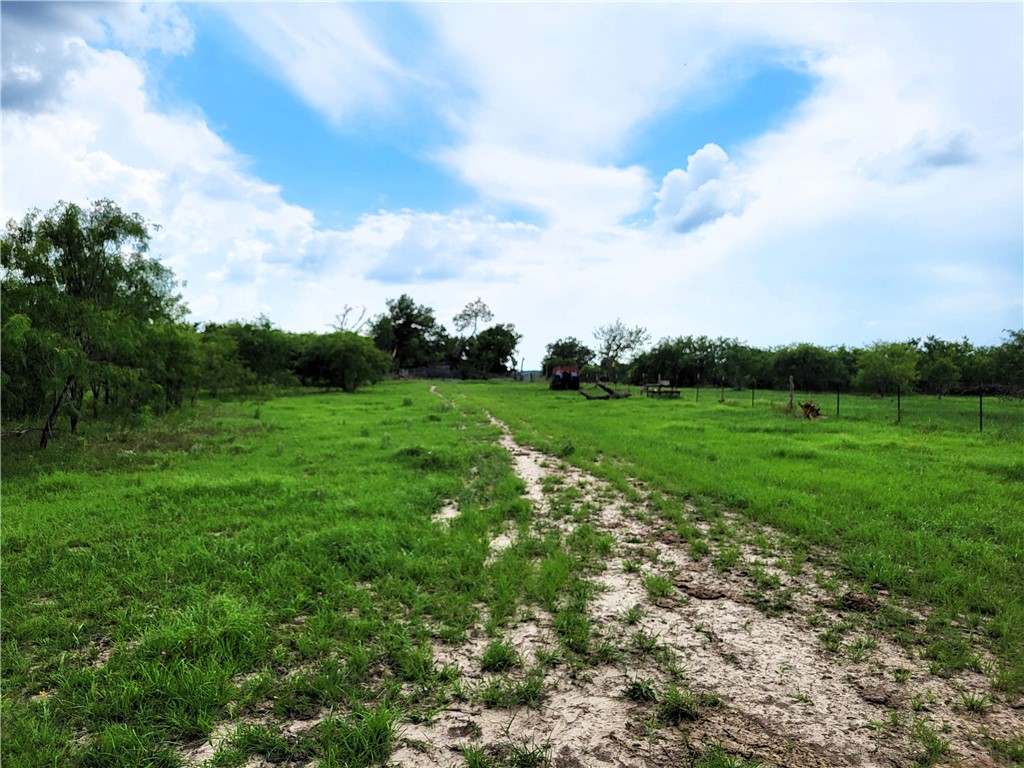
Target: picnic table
{"x":661,"y":389}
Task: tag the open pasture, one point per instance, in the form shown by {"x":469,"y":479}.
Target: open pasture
{"x":929,"y":509}
{"x":291,"y":582}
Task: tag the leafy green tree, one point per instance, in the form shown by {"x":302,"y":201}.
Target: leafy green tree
{"x":683,"y":361}
{"x":409,"y":333}
{"x":456,"y":348}
{"x":618,"y":344}
{"x":1008,"y":360}
{"x":813,"y":368}
{"x":90,"y":298}
{"x":567,"y":351}
{"x":492,"y":351}
{"x":885,"y":366}
{"x":343,"y":359}
{"x":269,"y":353}
{"x":744,"y":366}
{"x":221,"y":368}
{"x":471,"y":315}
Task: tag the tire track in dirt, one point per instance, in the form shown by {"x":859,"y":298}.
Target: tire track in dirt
{"x":787,"y":700}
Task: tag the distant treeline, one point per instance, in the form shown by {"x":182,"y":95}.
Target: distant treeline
{"x":932,"y":366}
{"x":92,"y":326}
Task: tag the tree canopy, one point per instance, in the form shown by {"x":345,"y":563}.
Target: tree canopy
{"x":409,"y":333}
{"x":617,"y":343}
{"x":567,"y":351}
{"x":85,"y":308}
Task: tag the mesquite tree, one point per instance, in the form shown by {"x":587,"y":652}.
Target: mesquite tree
{"x":85,"y":309}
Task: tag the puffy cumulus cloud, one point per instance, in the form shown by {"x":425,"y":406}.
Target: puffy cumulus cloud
{"x":322,"y":51}
{"x":709,"y":188}
{"x":44,"y":44}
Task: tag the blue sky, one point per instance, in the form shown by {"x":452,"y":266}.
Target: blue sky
{"x":832,"y":173}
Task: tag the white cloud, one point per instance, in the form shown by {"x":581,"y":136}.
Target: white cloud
{"x":45,"y":43}
{"x":322,"y":51}
{"x":569,"y":81}
{"x":708,"y":189}
{"x":569,"y":194}
{"x":430,"y":247}
{"x":831,"y":236}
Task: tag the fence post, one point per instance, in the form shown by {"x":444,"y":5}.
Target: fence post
{"x":837,"y":403}
{"x":981,"y":410}
{"x":899,"y":405}
{"x":751,"y":397}
{"x":698,"y":388}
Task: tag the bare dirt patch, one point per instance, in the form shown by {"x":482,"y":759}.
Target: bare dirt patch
{"x":445,"y":514}
{"x":786,"y":698}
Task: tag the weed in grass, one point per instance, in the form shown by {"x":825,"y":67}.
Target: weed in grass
{"x":763,"y":578}
{"x":832,"y":638}
{"x":975,"y":702}
{"x":572,"y":626}
{"x":794,"y":564}
{"x":499,"y":693}
{"x":261,"y":740}
{"x":861,"y":648}
{"x":698,"y":550}
{"x":509,"y":755}
{"x":933,"y":747}
{"x":658,"y":587}
{"x":474,"y":757}
{"x":633,"y":615}
{"x":606,"y":653}
{"x":1009,"y":751}
{"x":676,"y":705}
{"x":773,"y":602}
{"x":949,"y":654}
{"x":118,"y":744}
{"x":589,"y":545}
{"x":641,"y":689}
{"x":644,"y":643}
{"x":801,"y":696}
{"x":499,"y":657}
{"x":901,"y":674}
{"x":716,"y":757}
{"x":365,"y":737}
{"x":727,"y":558}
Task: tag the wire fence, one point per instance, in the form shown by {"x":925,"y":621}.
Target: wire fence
{"x":977,"y":413}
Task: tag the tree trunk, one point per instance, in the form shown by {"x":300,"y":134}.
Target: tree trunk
{"x":52,"y":417}
{"x":77,"y":399}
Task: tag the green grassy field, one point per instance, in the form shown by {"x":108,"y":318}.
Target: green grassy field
{"x":280,"y":557}
{"x":930,"y":509}
{"x":157,"y":581}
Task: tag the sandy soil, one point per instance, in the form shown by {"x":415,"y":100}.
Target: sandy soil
{"x":787,"y":700}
